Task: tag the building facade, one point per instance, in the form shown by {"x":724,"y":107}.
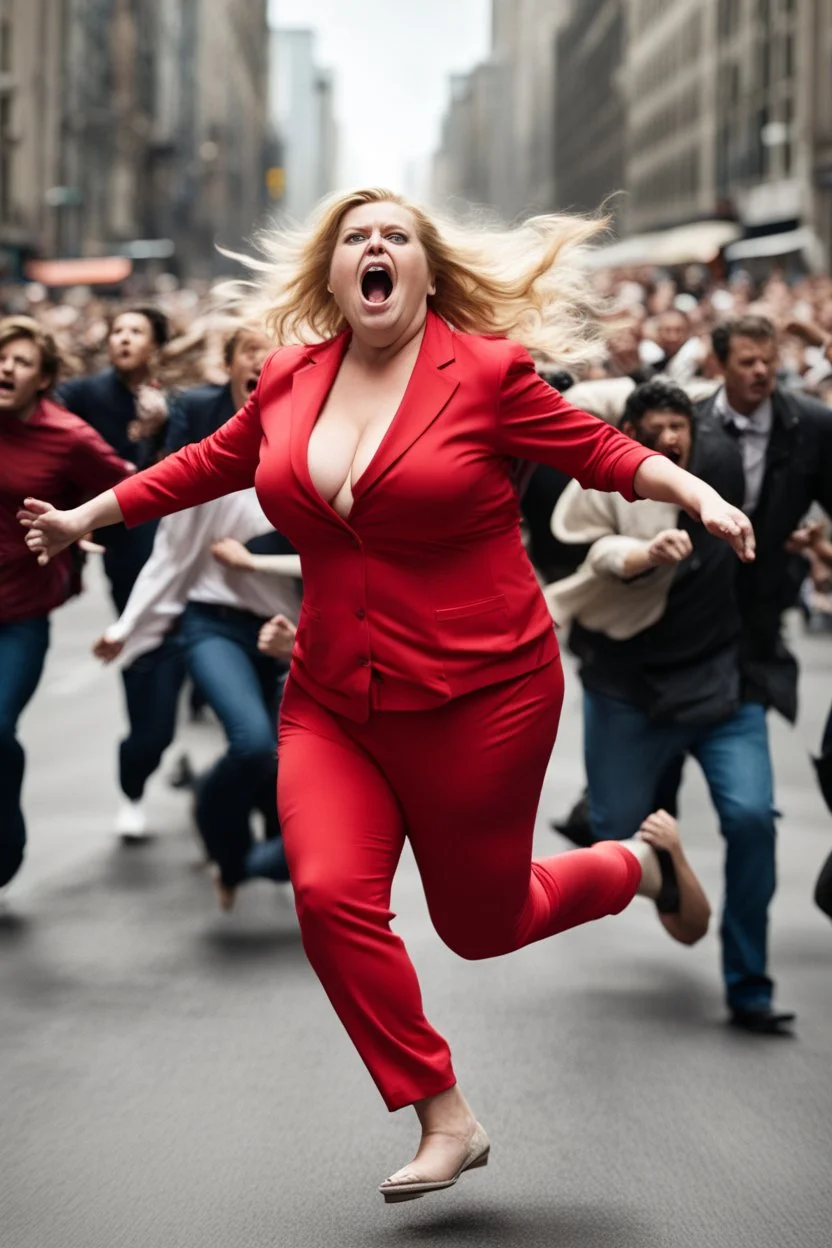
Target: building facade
{"x":302,"y":114}
{"x":496,"y":147}
{"x":821,"y":132}
{"x":129,"y":124}
{"x":728,"y":113}
{"x":589,"y":142}
{"x":668,"y":82}
{"x":30,"y":85}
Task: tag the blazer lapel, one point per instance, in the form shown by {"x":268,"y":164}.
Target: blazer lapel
{"x":430,"y":388}
{"x":310,"y":386}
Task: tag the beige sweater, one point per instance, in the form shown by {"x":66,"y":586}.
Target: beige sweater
{"x":596,"y":595}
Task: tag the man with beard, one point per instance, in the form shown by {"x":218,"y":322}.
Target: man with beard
{"x":42,"y":448}
{"x":656,"y":625}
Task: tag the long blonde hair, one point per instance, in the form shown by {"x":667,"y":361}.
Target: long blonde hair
{"x":525,"y":282}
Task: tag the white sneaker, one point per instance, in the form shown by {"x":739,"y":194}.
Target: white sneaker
{"x":131,"y":821}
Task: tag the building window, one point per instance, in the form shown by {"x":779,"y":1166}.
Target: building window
{"x":5,"y":120}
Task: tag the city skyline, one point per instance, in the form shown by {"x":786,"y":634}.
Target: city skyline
{"x":389,"y":118}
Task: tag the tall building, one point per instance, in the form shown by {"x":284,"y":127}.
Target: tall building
{"x":589,"y":106}
{"x":728,"y":113}
{"x":497,"y":135}
{"x":302,"y":113}
{"x":30,"y":85}
{"x":135,"y":126}
{"x":525,"y":84}
{"x":821,"y":136}
{"x":463,"y":165}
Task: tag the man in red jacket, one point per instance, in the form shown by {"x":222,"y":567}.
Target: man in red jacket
{"x":42,"y":447}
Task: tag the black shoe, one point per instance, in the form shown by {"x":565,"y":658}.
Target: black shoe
{"x":576,"y":826}
{"x":183,"y":775}
{"x":763,"y":1021}
{"x":668,"y":900}
{"x":823,"y":770}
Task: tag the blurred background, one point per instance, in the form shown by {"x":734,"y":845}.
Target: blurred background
{"x":137,"y":134}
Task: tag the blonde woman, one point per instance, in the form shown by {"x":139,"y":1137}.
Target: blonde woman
{"x":425,"y":682}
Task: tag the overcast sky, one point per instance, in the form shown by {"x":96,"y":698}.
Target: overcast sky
{"x":391,"y":61}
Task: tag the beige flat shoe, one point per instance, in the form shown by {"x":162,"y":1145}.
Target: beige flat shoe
{"x":476,"y":1157}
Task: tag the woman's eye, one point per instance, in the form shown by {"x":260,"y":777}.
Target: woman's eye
{"x":355,"y":237}
{"x":397,"y":237}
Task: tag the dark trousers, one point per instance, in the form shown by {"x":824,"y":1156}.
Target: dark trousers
{"x":23,"y":647}
{"x":126,"y":551}
{"x":626,"y":755}
{"x":240,"y":685}
{"x":152,"y":685}
{"x":823,"y":887}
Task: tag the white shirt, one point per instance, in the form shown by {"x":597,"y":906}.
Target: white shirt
{"x":181,"y":569}
{"x":754,"y":432}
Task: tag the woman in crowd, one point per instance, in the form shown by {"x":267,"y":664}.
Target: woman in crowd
{"x":425,"y":686}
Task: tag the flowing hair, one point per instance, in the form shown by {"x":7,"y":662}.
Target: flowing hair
{"x":526,"y":282}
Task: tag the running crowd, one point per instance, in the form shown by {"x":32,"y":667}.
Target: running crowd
{"x":681,"y":647}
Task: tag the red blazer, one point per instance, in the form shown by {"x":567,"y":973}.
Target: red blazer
{"x":426,"y":592}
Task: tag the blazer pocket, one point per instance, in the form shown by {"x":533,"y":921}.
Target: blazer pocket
{"x":465,"y":610}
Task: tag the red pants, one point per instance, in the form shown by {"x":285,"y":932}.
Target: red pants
{"x":462,"y":782}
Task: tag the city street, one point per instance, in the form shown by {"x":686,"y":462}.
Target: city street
{"x":173,"y":1077}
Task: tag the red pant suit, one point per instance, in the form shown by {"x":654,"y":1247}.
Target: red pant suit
{"x":426,"y":685}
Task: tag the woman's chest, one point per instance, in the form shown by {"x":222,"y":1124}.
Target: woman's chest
{"x":353,"y":423}
{"x":415,"y":476}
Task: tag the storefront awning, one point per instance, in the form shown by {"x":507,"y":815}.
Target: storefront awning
{"x":697,"y":243}
{"x":767,"y":245}
{"x":95,"y":271}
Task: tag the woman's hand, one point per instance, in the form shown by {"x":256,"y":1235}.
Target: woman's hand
{"x":233,"y":554}
{"x":728,"y":522}
{"x":277,"y":637}
{"x":659,"y":479}
{"x":50,"y":531}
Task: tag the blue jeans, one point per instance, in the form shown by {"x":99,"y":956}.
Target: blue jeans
{"x":23,"y":647}
{"x":626,"y":755}
{"x":152,"y":685}
{"x":240,"y":685}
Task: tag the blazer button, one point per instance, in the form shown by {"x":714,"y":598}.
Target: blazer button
{"x":363,"y":661}
{"x":355,"y":543}
{"x":360,"y":613}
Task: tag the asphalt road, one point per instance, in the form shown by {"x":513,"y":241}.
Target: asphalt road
{"x":173,"y":1077}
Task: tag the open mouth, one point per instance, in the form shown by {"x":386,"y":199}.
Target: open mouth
{"x":6,"y":387}
{"x":376,"y":285}
{"x":251,"y":385}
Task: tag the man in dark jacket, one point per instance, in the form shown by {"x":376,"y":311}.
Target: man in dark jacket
{"x":782,"y":442}
{"x":676,"y":688}
{"x":199,"y":412}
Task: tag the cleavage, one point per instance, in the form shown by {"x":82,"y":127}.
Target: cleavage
{"x":346,"y":438}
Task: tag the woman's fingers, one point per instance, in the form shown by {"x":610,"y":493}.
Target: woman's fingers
{"x":37,"y":505}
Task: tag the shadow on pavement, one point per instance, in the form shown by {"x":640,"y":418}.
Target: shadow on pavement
{"x":544,"y":1226}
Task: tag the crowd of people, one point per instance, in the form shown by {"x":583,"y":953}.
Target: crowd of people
{"x":680,"y":644}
